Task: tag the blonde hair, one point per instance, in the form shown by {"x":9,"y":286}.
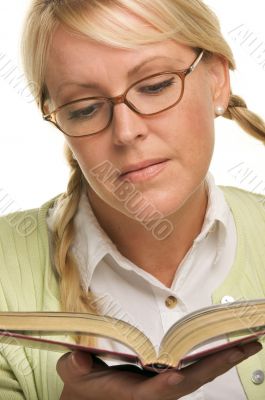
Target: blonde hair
{"x":189,"y":22}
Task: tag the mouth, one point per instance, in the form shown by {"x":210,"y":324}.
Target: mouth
{"x":145,"y":172}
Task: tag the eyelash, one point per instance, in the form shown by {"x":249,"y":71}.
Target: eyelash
{"x":161,"y":85}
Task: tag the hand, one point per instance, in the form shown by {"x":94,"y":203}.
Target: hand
{"x":87,"y":379}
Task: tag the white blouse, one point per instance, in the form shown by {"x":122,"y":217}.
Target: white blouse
{"x":127,"y":292}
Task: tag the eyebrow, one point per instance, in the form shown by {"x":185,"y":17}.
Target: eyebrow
{"x":131,"y":72}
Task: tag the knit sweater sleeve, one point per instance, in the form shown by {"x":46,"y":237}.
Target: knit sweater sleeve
{"x":27,"y":283}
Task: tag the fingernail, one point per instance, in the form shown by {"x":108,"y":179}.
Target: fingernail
{"x":175,"y":379}
{"x":74,"y":361}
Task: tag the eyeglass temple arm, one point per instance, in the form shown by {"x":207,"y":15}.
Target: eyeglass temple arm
{"x":196,"y":62}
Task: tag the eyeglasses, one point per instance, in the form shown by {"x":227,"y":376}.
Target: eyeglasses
{"x":148,"y":96}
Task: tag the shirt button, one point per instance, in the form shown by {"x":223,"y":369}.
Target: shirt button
{"x":171,"y":301}
{"x":258,"y":377}
{"x":227,"y":299}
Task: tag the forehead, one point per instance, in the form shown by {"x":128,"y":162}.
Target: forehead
{"x":70,"y":48}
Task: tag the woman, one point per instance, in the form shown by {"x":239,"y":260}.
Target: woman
{"x":135,"y":88}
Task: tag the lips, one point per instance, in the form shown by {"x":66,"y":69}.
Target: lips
{"x":148,"y":170}
{"x":141,"y":165}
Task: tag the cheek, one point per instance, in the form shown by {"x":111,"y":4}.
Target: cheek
{"x":187,"y":131}
{"x":89,"y":152}
{"x":93,"y":160}
{"x":199,"y":132}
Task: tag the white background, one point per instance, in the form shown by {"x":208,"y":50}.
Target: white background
{"x":32,"y":166}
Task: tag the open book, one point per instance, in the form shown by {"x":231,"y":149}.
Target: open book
{"x":245,"y":320}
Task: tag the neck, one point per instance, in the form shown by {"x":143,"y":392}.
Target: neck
{"x":160,"y":258}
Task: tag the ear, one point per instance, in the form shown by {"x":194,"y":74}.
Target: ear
{"x":218,"y":70}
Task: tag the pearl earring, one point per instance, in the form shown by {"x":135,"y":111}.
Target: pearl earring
{"x":219,"y":110}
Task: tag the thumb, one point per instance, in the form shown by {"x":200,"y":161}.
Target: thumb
{"x":74,"y":365}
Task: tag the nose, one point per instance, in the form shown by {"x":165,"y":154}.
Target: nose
{"x":127,"y":125}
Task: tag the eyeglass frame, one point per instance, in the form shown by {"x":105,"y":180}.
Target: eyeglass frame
{"x":51,"y":117}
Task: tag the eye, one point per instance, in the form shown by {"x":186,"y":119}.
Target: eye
{"x":85,"y":112}
{"x":158,"y":87}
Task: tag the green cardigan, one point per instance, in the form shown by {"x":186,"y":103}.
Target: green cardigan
{"x":27,"y":283}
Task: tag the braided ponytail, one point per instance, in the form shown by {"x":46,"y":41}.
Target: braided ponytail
{"x":249,"y":121}
{"x":73,"y":297}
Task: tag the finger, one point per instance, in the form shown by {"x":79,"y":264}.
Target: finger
{"x":75,"y":365}
{"x":176,"y":384}
{"x":207,"y":370}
